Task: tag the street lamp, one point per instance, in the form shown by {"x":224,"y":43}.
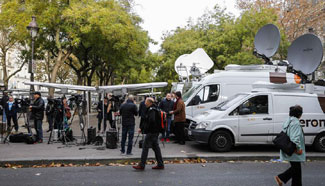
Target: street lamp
{"x":33,"y":30}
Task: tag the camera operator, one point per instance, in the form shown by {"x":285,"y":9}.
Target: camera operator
{"x":50,"y":113}
{"x":110,"y":109}
{"x":128,"y":111}
{"x":100,"y":114}
{"x":4,"y":101}
{"x":37,"y":109}
{"x":11,"y":109}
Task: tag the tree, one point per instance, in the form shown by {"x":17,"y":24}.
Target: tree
{"x":13,"y":22}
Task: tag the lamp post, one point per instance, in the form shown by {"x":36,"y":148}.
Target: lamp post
{"x":33,"y":30}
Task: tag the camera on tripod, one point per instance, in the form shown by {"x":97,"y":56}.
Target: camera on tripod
{"x":23,"y":104}
{"x":77,"y":98}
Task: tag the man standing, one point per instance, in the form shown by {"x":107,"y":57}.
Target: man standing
{"x":11,"y":109}
{"x":110,"y":110}
{"x":4,"y":101}
{"x":128,"y":111}
{"x":179,"y":118}
{"x":37,"y":109}
{"x":167,"y":105}
{"x":100,"y":114}
{"x":142,"y":111}
{"x":49,"y":110}
{"x":150,"y":128}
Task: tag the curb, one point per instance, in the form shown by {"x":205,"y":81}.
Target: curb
{"x":29,"y":163}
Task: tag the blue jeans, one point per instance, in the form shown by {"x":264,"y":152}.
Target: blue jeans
{"x":169,"y":121}
{"x":127,"y":130}
{"x":39,"y":129}
{"x":4,"y":118}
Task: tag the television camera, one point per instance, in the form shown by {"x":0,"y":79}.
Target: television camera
{"x":23,"y":104}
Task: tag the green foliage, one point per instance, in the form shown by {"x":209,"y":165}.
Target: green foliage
{"x":225,"y":39}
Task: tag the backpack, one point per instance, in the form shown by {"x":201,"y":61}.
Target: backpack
{"x":161,"y":118}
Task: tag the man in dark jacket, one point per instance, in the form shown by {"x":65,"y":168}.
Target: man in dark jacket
{"x":11,"y":109}
{"x":142,"y":111}
{"x":150,"y":128}
{"x":4,"y":101}
{"x":167,"y":105}
{"x":128,"y":111}
{"x":37,"y":109}
{"x":179,"y":118}
{"x":100,"y":114}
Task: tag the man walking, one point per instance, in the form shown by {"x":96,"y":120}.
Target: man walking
{"x":167,"y":105}
{"x":150,"y":128}
{"x":37,"y":109}
{"x":11,"y":109}
{"x":128,"y":111}
{"x":179,"y":118}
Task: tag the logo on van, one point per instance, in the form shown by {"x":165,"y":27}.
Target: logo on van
{"x":312,"y":123}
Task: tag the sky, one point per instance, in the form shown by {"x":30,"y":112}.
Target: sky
{"x":160,"y":16}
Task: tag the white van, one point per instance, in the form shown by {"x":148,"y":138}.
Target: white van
{"x":257,"y":117}
{"x":218,"y":87}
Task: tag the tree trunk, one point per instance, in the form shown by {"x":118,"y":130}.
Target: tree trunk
{"x":4,"y":69}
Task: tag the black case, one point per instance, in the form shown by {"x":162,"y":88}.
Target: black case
{"x":111,"y":139}
{"x":91,"y":134}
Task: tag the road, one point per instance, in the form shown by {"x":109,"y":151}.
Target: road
{"x":227,"y":173}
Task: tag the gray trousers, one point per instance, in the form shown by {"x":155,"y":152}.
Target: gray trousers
{"x":151,"y":141}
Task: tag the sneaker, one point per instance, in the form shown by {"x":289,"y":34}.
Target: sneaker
{"x":167,"y":140}
{"x":162,"y":139}
{"x":40,"y":141}
{"x":122,"y":154}
{"x":158,"y":167}
{"x":278,"y":181}
{"x":138,"y":167}
{"x":129,"y":154}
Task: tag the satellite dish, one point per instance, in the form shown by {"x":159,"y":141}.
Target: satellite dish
{"x":198,"y":59}
{"x":180,"y":67}
{"x":267,"y":40}
{"x":306,"y":53}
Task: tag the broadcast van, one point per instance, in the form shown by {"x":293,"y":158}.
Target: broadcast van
{"x":257,"y":117}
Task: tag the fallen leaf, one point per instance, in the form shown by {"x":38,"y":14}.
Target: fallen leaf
{"x":203,"y":165}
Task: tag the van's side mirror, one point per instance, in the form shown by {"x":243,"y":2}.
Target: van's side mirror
{"x":244,"y":111}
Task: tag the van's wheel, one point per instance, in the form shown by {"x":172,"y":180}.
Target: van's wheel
{"x":319,"y":143}
{"x":221,"y":141}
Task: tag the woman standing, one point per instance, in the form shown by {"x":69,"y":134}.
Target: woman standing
{"x":294,"y":131}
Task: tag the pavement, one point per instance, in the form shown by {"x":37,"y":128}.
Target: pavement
{"x":21,"y":153}
{"x":225,"y":173}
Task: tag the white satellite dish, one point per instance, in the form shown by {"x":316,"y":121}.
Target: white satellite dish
{"x":267,"y":40}
{"x":198,"y":59}
{"x":180,"y":66}
{"x":306,"y":53}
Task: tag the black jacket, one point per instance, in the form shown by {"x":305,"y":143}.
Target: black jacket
{"x":150,"y":124}
{"x":13,"y":111}
{"x":38,"y":109}
{"x":4,"y":100}
{"x":142,"y":109}
{"x":128,"y":110}
{"x":100,"y":110}
{"x":166,"y":106}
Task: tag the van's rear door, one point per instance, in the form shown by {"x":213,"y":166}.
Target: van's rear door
{"x":256,"y":119}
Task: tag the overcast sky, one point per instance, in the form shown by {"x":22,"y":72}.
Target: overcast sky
{"x":163,"y":15}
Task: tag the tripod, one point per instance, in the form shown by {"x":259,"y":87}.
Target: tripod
{"x":78,"y":110}
{"x":61,"y":126}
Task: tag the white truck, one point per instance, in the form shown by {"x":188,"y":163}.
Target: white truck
{"x":218,"y":87}
{"x":256,"y":117}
